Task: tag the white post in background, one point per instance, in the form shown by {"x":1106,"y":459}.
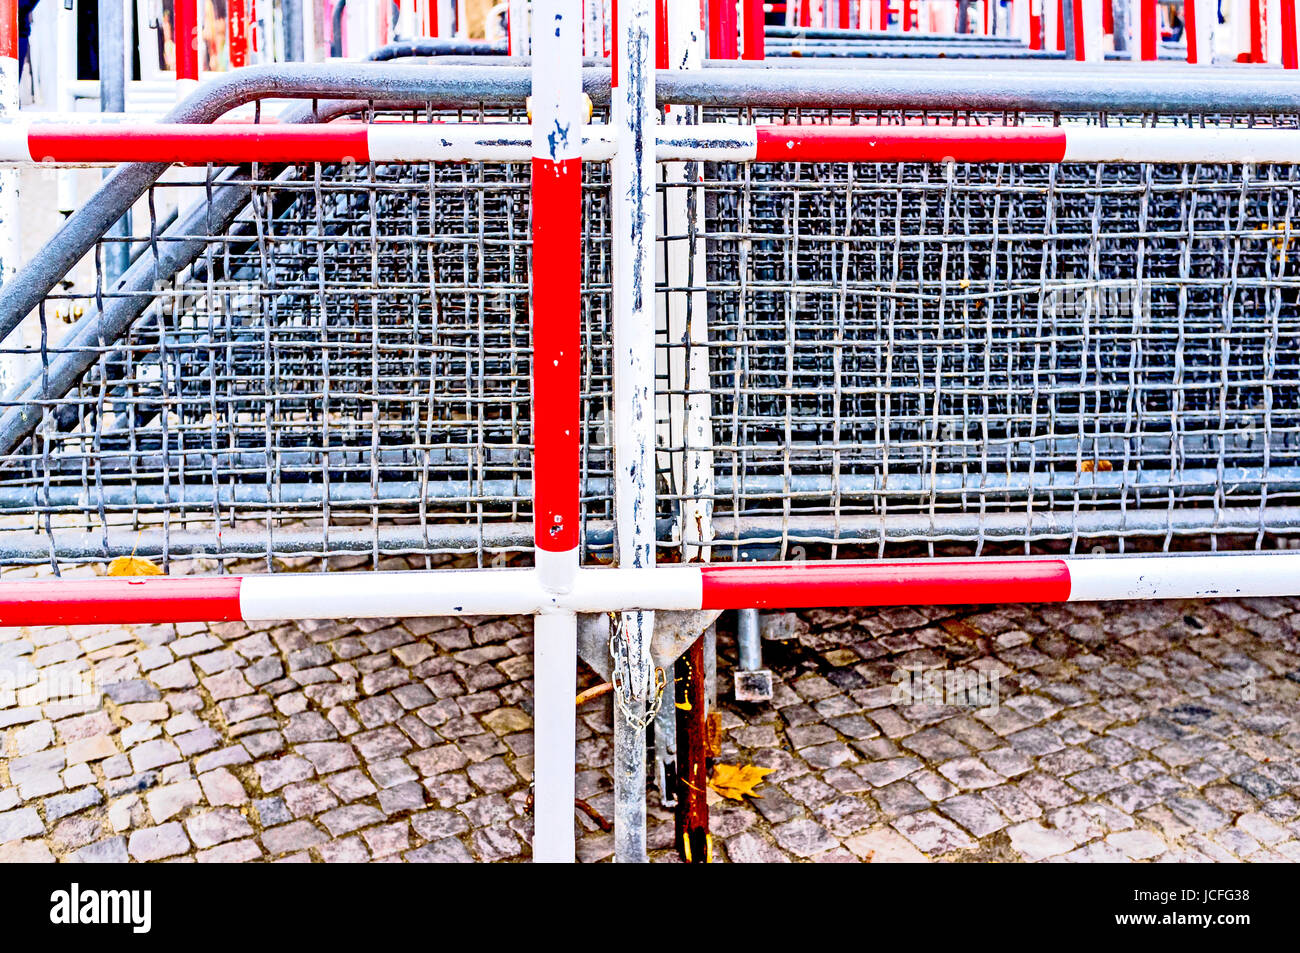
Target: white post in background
{"x":65,"y":74}
{"x":11,"y":364}
{"x":1272,"y":31}
{"x":1201,"y":19}
{"x":310,"y":50}
{"x":634,"y":120}
{"x":517,"y":40}
{"x":1020,"y":20}
{"x":558,"y":120}
{"x":1088,"y":34}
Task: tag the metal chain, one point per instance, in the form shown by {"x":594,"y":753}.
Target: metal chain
{"x":638,"y":721}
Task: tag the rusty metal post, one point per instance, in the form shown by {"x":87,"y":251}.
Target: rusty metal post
{"x":634,"y":120}
{"x":694,"y":842}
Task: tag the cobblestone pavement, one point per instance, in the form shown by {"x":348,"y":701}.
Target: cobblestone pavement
{"x":1153,"y":731}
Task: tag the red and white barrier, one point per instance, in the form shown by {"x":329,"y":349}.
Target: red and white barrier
{"x":557,"y":126}
{"x":292,"y":596}
{"x":231,"y":143}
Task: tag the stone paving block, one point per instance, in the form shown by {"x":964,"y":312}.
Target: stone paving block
{"x":111,"y":850}
{"x":156,"y":843}
{"x":20,"y":823}
{"x":933,"y":833}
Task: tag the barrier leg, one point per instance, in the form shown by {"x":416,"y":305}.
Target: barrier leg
{"x":693,"y":840}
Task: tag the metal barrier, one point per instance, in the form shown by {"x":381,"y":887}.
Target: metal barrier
{"x":1046,"y":317}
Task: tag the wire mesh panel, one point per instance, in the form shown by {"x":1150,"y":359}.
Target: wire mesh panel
{"x":343,"y":368}
{"x":959,"y":357}
{"x":966,"y":356}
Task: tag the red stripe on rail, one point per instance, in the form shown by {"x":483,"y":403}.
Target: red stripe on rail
{"x":120,"y":600}
{"x":909,"y":144}
{"x":557,"y":410}
{"x":9,"y":29}
{"x":885,"y":584}
{"x":199,"y":144}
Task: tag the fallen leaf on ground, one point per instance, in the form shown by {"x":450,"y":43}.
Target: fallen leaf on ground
{"x":133,"y":566}
{"x":734,"y":781}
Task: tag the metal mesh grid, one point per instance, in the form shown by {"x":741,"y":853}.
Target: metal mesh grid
{"x":976,"y":355}
{"x":965,"y":356}
{"x":343,"y":369}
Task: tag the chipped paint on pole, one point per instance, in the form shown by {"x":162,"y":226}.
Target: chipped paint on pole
{"x":633,"y":106}
{"x":558,"y":122}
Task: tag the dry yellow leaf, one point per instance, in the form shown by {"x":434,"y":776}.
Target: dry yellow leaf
{"x":736,"y":780}
{"x":1100,"y":466}
{"x":133,"y":566}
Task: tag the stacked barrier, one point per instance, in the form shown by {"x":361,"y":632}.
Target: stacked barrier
{"x":738,"y":315}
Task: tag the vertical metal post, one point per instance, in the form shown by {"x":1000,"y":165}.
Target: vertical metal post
{"x":65,"y":73}
{"x":556,"y":299}
{"x":633,"y":102}
{"x":754,"y":23}
{"x":1119,"y":11}
{"x":185,"y":31}
{"x":517,"y":31}
{"x":693,"y":840}
{"x":11,"y":369}
{"x":112,"y":99}
{"x":293,"y":30}
{"x":1200,"y":20}
{"x":1146,"y":33}
{"x":751,"y":653}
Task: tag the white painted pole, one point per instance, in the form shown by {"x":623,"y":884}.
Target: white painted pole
{"x":558,"y":120}
{"x":65,"y":74}
{"x":519,"y":28}
{"x":634,"y":348}
{"x":11,"y":365}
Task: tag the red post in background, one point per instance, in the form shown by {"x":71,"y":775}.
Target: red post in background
{"x":661,"y":34}
{"x":237,"y":19}
{"x":185,"y":30}
{"x":9,"y":32}
{"x":1287,"y":15}
{"x":1256,"y":33}
{"x":754,"y":22}
{"x":805,"y":12}
{"x":722,"y":29}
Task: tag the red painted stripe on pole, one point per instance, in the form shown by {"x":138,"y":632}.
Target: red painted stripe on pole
{"x":199,"y":145}
{"x":1256,"y":32}
{"x":120,"y":601}
{"x":9,"y":29}
{"x":806,"y":586}
{"x":805,"y":12}
{"x":909,"y":144}
{"x":613,"y":46}
{"x":1289,"y":58}
{"x":661,"y":34}
{"x":1189,"y":25}
{"x":1150,"y":30}
{"x":236,"y":15}
{"x":754,"y":24}
{"x":185,"y":31}
{"x":1080,"y":44}
{"x":557,"y":273}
